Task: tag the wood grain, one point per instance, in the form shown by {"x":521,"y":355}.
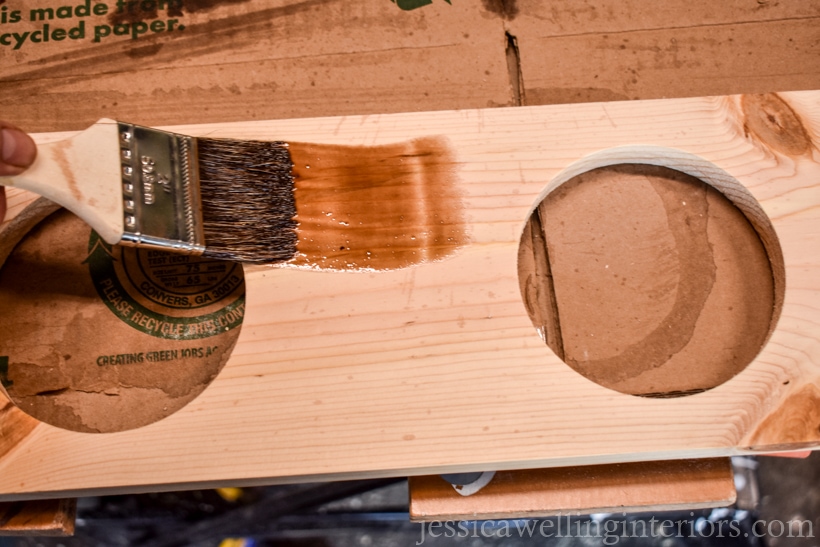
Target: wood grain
{"x":437,"y":367}
{"x":15,"y":425}
{"x":796,"y":424}
{"x":60,"y":165}
{"x":375,"y":207}
{"x":649,"y":486}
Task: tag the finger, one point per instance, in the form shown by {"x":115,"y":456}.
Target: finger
{"x":2,"y":203}
{"x":17,"y":150}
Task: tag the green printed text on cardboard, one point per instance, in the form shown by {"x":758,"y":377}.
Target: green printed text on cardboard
{"x":58,"y":24}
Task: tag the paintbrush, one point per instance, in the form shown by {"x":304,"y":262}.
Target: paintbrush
{"x":317,"y":206}
{"x":144,"y":187}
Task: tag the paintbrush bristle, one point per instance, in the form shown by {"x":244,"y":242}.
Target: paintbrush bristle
{"x":248,"y":207}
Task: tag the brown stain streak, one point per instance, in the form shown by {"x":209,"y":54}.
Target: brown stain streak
{"x":60,"y":157}
{"x":379,"y":207}
{"x":697,"y":276}
{"x":146,"y":51}
{"x":772,"y":122}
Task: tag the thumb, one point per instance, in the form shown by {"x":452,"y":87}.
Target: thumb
{"x":17,"y":150}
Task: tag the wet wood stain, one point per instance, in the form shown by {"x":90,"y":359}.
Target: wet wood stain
{"x":376,"y":208}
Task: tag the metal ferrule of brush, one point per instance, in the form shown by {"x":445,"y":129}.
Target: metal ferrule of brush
{"x":160,"y":183}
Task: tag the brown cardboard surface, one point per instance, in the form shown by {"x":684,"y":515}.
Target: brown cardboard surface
{"x":254,"y":59}
{"x":661,"y":285}
{"x":100,"y":339}
{"x":607,"y":50}
{"x":249,"y":59}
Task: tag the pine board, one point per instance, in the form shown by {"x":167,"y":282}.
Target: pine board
{"x":437,"y":368}
{"x":631,"y":487}
{"x":38,"y":518}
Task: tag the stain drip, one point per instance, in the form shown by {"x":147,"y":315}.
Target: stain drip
{"x":376,"y":208}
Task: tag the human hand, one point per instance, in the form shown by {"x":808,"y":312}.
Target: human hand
{"x":17,"y":152}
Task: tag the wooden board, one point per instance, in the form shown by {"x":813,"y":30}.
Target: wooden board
{"x":646,"y":486}
{"x":38,"y":518}
{"x":437,"y":367}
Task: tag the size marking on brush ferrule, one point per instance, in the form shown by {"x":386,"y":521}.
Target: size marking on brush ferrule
{"x":160,"y":190}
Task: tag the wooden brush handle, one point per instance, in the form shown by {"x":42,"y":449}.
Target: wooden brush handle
{"x":81,"y":173}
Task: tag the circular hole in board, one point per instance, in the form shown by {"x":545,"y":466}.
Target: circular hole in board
{"x":651,"y":272}
{"x":99,"y":338}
